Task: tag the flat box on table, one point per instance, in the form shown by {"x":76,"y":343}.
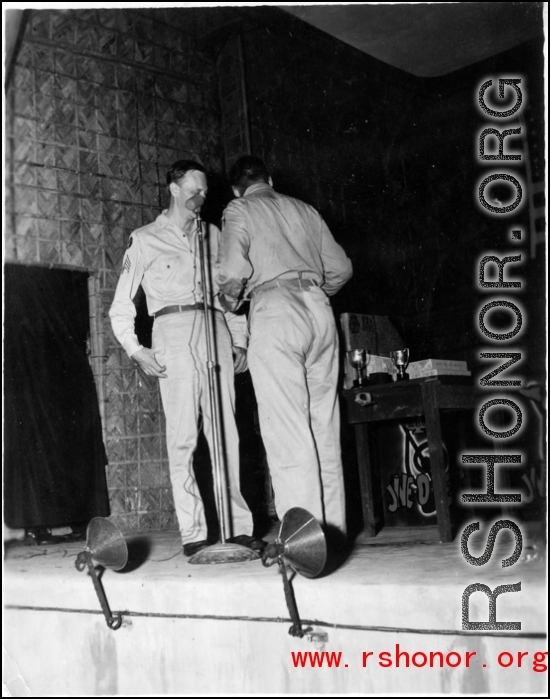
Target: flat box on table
{"x":439,"y":364}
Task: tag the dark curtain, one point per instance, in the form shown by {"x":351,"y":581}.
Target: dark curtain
{"x":54,"y":457}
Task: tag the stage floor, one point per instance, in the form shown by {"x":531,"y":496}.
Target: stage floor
{"x":222,"y":629}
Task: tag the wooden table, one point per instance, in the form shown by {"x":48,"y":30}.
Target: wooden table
{"x":404,"y":399}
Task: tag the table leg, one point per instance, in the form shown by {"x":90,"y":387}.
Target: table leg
{"x":437,"y":458}
{"x":364,"y":464}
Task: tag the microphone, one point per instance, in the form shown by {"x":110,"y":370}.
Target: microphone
{"x":194,"y":203}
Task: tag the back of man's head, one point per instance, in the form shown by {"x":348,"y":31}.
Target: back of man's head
{"x":181,"y":168}
{"x":246,"y":171}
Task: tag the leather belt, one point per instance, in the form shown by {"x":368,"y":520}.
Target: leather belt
{"x":176,"y":308}
{"x":299,"y":282}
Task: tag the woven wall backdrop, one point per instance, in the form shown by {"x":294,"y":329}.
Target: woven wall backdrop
{"x":101,"y":103}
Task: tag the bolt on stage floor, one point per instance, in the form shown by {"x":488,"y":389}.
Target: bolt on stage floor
{"x":387,"y":619}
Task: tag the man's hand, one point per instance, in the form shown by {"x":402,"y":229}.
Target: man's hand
{"x":146,"y":359}
{"x":228,"y":303}
{"x":239,"y":360}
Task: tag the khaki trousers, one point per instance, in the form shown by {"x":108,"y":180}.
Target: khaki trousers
{"x":293,"y":360}
{"x":180,"y":345}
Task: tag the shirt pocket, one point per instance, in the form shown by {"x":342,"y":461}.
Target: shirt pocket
{"x":165,"y":270}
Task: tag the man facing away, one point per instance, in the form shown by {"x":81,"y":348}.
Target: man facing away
{"x":279,"y":252}
{"x":164,"y":257}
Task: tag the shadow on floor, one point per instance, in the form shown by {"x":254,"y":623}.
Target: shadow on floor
{"x":139,"y":549}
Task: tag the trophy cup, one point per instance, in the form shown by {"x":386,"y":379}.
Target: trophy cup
{"x":401,"y":360}
{"x":358,"y":360}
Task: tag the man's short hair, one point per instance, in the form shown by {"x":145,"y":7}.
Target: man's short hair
{"x":247,"y":170}
{"x":181,"y":168}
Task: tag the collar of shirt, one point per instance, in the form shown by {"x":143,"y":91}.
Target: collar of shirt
{"x":164,"y":222}
{"x":256,"y":187}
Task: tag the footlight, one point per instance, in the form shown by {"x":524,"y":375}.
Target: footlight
{"x":106,"y":547}
{"x":302,"y":546}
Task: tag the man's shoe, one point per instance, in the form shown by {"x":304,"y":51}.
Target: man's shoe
{"x":40,"y":536}
{"x":194,"y":546}
{"x":251,"y":542}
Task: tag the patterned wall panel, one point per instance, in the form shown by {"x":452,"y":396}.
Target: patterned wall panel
{"x":101,"y":103}
{"x":234,"y":101}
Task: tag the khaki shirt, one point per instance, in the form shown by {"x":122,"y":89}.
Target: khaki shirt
{"x":267,"y":234}
{"x":166,"y":262}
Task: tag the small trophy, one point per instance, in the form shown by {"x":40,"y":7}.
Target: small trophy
{"x":358,"y":360}
{"x":401,"y":360}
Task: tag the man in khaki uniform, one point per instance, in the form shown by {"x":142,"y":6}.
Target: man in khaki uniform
{"x":279,"y":252}
{"x":164,"y":258}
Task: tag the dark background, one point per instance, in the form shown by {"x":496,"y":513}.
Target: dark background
{"x":101,"y":102}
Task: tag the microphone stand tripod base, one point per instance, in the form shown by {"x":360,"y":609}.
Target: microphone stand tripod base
{"x":224,"y":553}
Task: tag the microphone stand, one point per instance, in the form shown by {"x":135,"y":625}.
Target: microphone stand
{"x":220,"y":480}
{"x":224,"y":552}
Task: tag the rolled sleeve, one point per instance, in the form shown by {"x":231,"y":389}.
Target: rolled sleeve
{"x":233,"y":266}
{"x":337,"y":266}
{"x":123,"y":311}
